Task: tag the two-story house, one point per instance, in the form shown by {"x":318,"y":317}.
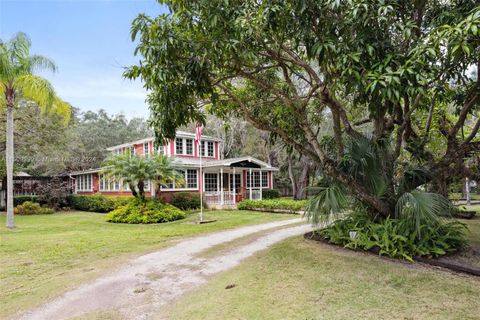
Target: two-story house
{"x":224,"y":182}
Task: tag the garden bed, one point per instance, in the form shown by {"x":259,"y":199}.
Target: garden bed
{"x":450,"y":262}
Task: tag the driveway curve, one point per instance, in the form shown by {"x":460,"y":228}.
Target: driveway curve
{"x":139,"y":288}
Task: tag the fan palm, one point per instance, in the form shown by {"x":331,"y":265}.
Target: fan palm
{"x":367,"y":161}
{"x":136,"y":170}
{"x":19,"y":83}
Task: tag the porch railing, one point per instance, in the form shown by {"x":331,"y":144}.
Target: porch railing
{"x":229,"y":197}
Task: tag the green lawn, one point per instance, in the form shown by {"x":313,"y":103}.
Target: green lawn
{"x":46,"y":255}
{"x":473,"y":226}
{"x":302,"y":279}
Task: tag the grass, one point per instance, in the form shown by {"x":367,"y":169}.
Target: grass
{"x":301,"y":279}
{"x":46,"y":255}
{"x":473,"y":233}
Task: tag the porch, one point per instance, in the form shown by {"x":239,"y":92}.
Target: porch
{"x":225,"y":183}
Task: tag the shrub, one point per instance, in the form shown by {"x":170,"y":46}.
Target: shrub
{"x":54,"y":193}
{"x":394,"y":237}
{"x":97,"y":202}
{"x":147,"y":211}
{"x":186,"y":200}
{"x":31,"y":208}
{"x":292,"y":206}
{"x":21,"y":199}
{"x":270,"y":194}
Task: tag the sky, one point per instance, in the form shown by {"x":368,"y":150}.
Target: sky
{"x":89,"y":40}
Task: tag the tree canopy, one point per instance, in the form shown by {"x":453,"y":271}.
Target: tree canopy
{"x":396,"y":73}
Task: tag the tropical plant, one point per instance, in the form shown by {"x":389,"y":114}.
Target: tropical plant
{"x":145,"y":211}
{"x":19,"y":83}
{"x":136,"y":170}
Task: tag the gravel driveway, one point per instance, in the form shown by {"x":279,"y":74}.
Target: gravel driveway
{"x":139,"y":288}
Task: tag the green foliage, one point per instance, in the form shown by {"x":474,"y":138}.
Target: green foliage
{"x":270,"y":194}
{"x":289,"y":205}
{"x":135,"y":170}
{"x":381,"y":71}
{"x":97,"y":202}
{"x":31,"y":208}
{"x":186,"y":200}
{"x":21,"y":199}
{"x":420,"y":209}
{"x":329,"y":201}
{"x":145,"y":211}
{"x":395,"y":238}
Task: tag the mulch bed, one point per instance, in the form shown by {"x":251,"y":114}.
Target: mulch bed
{"x":448,"y":262}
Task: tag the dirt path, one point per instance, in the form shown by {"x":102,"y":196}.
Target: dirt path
{"x":137,"y":290}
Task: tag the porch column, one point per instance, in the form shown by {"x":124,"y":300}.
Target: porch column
{"x":221,"y":186}
{"x":234,"y":188}
{"x":261,"y":183}
{"x":251,"y":182}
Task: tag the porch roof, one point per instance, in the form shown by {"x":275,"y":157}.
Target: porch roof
{"x":241,"y":162}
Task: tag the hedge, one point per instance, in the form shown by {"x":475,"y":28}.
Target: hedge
{"x":186,"y":200}
{"x":288,"y":205}
{"x":147,"y":211}
{"x":97,"y":202}
{"x":270,"y":194}
{"x":18,"y":200}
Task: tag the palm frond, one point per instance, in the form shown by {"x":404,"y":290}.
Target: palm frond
{"x":420,"y":209}
{"x":36,"y":89}
{"x":327,"y":203}
{"x":39,"y":62}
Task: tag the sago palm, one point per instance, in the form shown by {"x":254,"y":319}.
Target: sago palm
{"x":18,"y":82}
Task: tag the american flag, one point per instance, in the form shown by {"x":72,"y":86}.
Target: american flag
{"x":198,"y":133}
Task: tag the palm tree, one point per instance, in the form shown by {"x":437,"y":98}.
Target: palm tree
{"x":136,"y":170}
{"x":19,"y":83}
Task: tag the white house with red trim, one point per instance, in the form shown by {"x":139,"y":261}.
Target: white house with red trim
{"x":224,"y":182}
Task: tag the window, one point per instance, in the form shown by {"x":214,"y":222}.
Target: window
{"x":211,"y":182}
{"x":161,"y":150}
{"x":191,"y":179}
{"x":210,"y":149}
{"x":253,"y":180}
{"x":265,"y":179}
{"x":207,"y":149}
{"x":189,"y":147}
{"x":132,"y":150}
{"x":256,"y":179}
{"x":178,"y":146}
{"x":146,"y":149}
{"x":84,"y":182}
{"x":237,"y":183}
{"x":108,"y":184}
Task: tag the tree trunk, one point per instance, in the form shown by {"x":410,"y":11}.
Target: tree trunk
{"x":133,"y":190}
{"x":10,"y":95}
{"x":291,"y":175}
{"x":303,"y":181}
{"x":141,"y":189}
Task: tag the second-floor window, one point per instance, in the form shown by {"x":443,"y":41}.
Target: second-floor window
{"x":146,"y":149}
{"x":178,"y":146}
{"x":207,"y":149}
{"x":184,"y":146}
{"x":189,"y":147}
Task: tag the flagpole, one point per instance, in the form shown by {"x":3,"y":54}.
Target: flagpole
{"x":202,"y":184}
